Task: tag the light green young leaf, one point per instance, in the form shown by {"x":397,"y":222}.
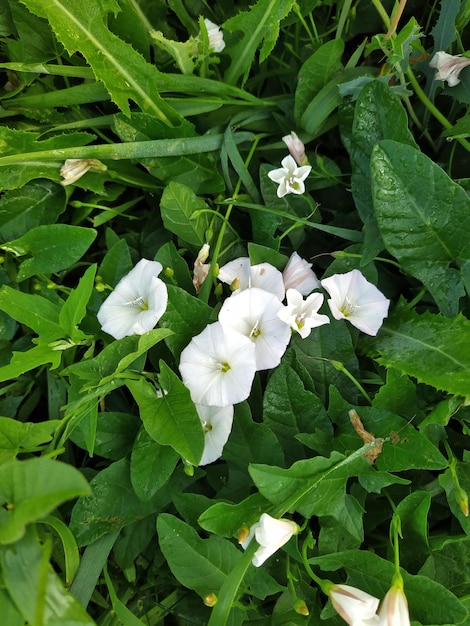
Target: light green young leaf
{"x":124,"y":72}
{"x":53,"y":248}
{"x":74,"y":308}
{"x":226,"y":519}
{"x":425,"y":226}
{"x":171,"y":419}
{"x":431,"y":348}
{"x":22,"y":362}
{"x":33,"y":488}
{"x":33,"y":311}
{"x":177,"y":206}
{"x":260,"y":27}
{"x":199,"y":564}
{"x":16,"y":436}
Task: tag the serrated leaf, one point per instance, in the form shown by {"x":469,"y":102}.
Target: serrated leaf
{"x":431,"y":348}
{"x":260,"y":27}
{"x":425,"y":226}
{"x":124,"y":72}
{"x":201,"y":565}
{"x":178,"y":204}
{"x":53,"y":248}
{"x":33,"y":488}
{"x":444,"y":32}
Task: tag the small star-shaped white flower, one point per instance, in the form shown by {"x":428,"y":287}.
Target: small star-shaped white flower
{"x":302,"y":315}
{"x":290,"y":177}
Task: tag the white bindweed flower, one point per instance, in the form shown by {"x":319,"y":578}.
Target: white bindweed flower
{"x":137,"y":303}
{"x":271,"y":534}
{"x":290,"y":177}
{"x":216,"y":37}
{"x":448,"y":67}
{"x":355,"y":606}
{"x":298,"y":275}
{"x":302,"y":315}
{"x":217,"y":425}
{"x":355,"y":299}
{"x":240,"y":275}
{"x":296,"y":148}
{"x":201,"y":268}
{"x":253,"y":314}
{"x":394,"y":608}
{"x":218,"y":366}
{"x":73,"y":169}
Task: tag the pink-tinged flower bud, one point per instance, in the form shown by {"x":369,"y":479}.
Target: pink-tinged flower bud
{"x":201,"y":269}
{"x":296,"y":148}
{"x":448,"y":67}
{"x":394,"y":608}
{"x":298,"y":275}
{"x":354,"y":605}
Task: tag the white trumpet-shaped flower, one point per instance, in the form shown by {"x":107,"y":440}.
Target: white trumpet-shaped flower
{"x":217,"y":425}
{"x":448,"y":67}
{"x":355,"y":606}
{"x":394,"y":608}
{"x":302,"y":315}
{"x":290,"y":177}
{"x":271,"y":534}
{"x":355,"y":299}
{"x":137,"y":302}
{"x":298,"y":275}
{"x":216,"y":37}
{"x":218,"y":366}
{"x":240,"y":275}
{"x":253,"y":314}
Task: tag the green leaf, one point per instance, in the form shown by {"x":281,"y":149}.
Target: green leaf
{"x":433,"y":349}
{"x":171,"y":419}
{"x":426,"y":227}
{"x":444,"y":32}
{"x":112,"y":505}
{"x":259,"y":25}
{"x":22,"y":362}
{"x":53,"y":248}
{"x":38,"y":202}
{"x":74,"y":308}
{"x":413,"y":513}
{"x":36,"y":589}
{"x":31,"y":489}
{"x":114,"y":435}
{"x":199,"y":564}
{"x":378,"y":114}
{"x":449,"y":565}
{"x":227,"y":519}
{"x":170,"y":258}
{"x":151,"y":465}
{"x":16,"y":436}
{"x":33,"y":311}
{"x":316,"y":72}
{"x":186,"y":316}
{"x":178,"y":204}
{"x":124,"y":72}
{"x":123,"y":613}
{"x":454,"y":498}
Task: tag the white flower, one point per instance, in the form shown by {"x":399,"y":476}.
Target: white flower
{"x":289,"y":177}
{"x":302,"y":315}
{"x":201,"y":268}
{"x":296,"y":148}
{"x":137,"y":302}
{"x":394,"y":609}
{"x":218,"y":366}
{"x":241,"y":275}
{"x":271,"y":534}
{"x":217,"y":424}
{"x":357,"y":300}
{"x":356,"y":607}
{"x":253,"y":314}
{"x":448,"y":67}
{"x":298,"y":275}
{"x":216,"y":37}
{"x":73,"y":169}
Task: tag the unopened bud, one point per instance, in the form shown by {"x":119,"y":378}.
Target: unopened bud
{"x":235,"y":284}
{"x":243,"y":533}
{"x":462,"y":500}
{"x":210,"y":599}
{"x":301,"y":608}
{"x":168,"y":271}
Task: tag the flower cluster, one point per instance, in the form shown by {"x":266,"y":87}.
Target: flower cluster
{"x":359,"y":608}
{"x":253,"y":329}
